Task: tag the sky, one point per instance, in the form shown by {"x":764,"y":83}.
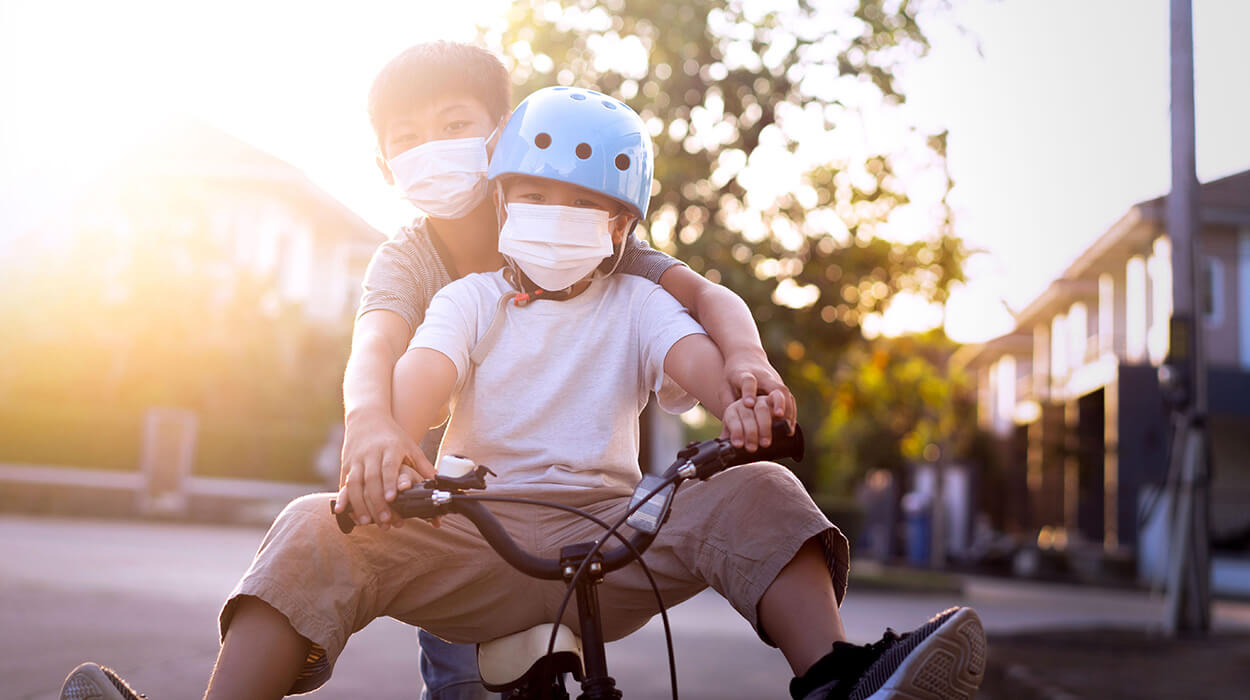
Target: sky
{"x":1057,"y":109}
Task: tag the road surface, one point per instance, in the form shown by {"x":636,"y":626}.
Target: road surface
{"x":143,"y":598}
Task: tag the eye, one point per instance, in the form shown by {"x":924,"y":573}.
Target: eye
{"x":586,"y":203}
{"x":456,"y":125}
{"x":531,"y":197}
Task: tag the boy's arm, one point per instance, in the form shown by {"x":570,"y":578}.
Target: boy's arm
{"x":696,"y":364}
{"x":370,"y":486}
{"x":745,"y":367}
{"x":372,"y":439}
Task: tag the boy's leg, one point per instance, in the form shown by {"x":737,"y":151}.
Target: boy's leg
{"x":261,"y":655}
{"x":799,"y":611}
{"x":324,"y":586}
{"x":449,"y":671}
{"x":754,"y":535}
{"x":736,"y":533}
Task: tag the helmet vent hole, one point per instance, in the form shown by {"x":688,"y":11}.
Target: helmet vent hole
{"x":578,"y":96}
{"x":622,"y":162}
{"x":583,"y":150}
{"x":542,"y":140}
{"x":609,"y":105}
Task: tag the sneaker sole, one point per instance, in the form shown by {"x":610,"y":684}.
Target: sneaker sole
{"x":948,"y":664}
{"x":93,"y":682}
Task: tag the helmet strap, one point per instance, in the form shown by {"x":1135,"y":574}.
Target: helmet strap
{"x":527,"y":290}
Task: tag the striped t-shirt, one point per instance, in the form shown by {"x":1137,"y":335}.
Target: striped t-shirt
{"x":407,"y":271}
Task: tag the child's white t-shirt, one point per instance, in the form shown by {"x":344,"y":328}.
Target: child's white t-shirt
{"x":556,"y":398}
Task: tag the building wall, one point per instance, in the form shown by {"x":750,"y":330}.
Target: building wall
{"x":1141,"y":444}
{"x":1241,"y":300}
{"x":1219,"y":248}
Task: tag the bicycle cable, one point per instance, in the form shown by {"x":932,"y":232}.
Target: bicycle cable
{"x":611,"y":531}
{"x":581,"y":570}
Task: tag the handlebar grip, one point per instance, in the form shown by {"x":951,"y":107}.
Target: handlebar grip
{"x":783,"y":445}
{"x":345,"y":521}
{"x":413,"y":503}
{"x":713,"y":456}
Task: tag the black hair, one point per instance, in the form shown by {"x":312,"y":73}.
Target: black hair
{"x":435,"y":68}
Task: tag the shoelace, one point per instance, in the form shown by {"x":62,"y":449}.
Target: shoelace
{"x":121,"y":685}
{"x":889,"y":639}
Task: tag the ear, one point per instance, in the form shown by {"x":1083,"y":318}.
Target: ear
{"x":494,"y":135}
{"x":386,"y":169}
{"x":621,"y":225}
{"x":501,"y":211}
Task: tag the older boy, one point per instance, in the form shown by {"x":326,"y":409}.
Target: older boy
{"x":427,"y":107}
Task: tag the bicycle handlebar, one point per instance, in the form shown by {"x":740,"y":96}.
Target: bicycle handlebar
{"x":697,"y":460}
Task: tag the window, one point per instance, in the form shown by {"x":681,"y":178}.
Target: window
{"x":1078,"y":334}
{"x":1211,"y":291}
{"x":1159,"y":268}
{"x":1058,"y":349}
{"x":1135,"y":309}
{"x":1106,"y":314}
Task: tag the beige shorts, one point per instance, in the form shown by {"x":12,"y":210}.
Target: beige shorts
{"x":733,"y":533}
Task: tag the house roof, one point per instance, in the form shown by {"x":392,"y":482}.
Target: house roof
{"x":1222,"y":201}
{"x":186,"y":148}
{"x":1226,"y":200}
{"x":981,"y":354}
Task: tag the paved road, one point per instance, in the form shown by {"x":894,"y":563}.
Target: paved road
{"x":143,"y":597}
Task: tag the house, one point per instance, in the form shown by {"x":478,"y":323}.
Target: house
{"x":1072,"y":393}
{"x":191,"y":306}
{"x":230,"y":210}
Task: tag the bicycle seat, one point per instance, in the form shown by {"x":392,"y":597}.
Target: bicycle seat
{"x":521,"y":658}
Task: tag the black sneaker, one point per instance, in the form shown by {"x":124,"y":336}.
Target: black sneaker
{"x":943,"y":659}
{"x":95,"y":682}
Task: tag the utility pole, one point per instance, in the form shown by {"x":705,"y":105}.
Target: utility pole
{"x":1183,"y":376}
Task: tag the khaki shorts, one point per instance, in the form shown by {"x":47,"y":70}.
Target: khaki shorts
{"x":733,"y":533}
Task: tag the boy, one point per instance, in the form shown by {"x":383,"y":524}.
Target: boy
{"x":443,"y":94}
{"x":567,"y":438}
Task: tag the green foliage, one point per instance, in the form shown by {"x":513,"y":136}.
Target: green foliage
{"x":891,"y":402}
{"x":115,"y":323}
{"x":757,"y":188}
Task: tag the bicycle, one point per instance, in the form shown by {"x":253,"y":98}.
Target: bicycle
{"x":532,"y":664}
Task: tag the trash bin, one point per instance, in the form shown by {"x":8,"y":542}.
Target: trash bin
{"x":918,"y":515}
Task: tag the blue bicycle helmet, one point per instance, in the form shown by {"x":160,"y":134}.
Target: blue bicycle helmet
{"x":581,"y":137}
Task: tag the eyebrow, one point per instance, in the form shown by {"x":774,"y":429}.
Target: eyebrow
{"x":453,"y":107}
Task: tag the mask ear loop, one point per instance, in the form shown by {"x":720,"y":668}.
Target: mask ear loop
{"x":501,"y":208}
{"x":619,"y":252}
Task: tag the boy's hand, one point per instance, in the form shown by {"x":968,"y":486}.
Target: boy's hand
{"x":750,"y":377}
{"x":749,"y":426}
{"x":379,"y":461}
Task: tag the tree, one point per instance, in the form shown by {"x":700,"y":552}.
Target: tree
{"x":892,"y":402}
{"x":762,"y":180}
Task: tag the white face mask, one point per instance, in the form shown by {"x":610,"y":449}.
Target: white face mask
{"x":555,"y":246}
{"x":444,"y":178}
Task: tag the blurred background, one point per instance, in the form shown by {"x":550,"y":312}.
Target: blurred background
{"x":946,"y":216}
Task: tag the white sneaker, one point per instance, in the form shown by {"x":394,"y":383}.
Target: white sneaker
{"x":95,"y":682}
